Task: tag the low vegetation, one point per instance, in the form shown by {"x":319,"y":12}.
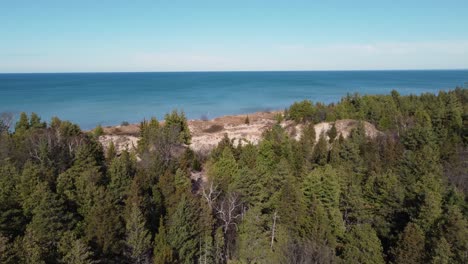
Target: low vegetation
{"x":214,"y":128}
{"x":397,"y":198}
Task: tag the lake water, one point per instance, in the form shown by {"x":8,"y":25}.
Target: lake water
{"x":89,"y":99}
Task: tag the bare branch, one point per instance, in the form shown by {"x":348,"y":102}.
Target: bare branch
{"x":228,"y":210}
{"x":210,"y":194}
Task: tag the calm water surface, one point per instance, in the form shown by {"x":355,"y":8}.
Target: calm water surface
{"x":110,"y":98}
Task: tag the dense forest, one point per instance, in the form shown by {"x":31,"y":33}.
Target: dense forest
{"x":399,"y":197}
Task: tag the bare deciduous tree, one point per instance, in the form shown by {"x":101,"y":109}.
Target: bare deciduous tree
{"x":6,"y":119}
{"x":273,"y":229}
{"x":228,"y":210}
{"x":210,"y":193}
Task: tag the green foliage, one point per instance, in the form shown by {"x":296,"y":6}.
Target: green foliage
{"x":320,"y":153}
{"x":102,"y":226}
{"x":398,"y":197}
{"x":50,"y":219}
{"x":98,"y":131}
{"x":121,"y":171}
{"x":362,"y":245}
{"x":148,"y":132}
{"x":74,"y":250}
{"x":23,"y":123}
{"x":455,"y":229}
{"x":111,"y":152}
{"x":301,"y":111}
{"x":138,"y":237}
{"x":279,"y":117}
{"x":35,"y":122}
{"x":178,"y":122}
{"x":322,"y":186}
{"x":12,"y":219}
{"x":332,"y":133}
{"x":224,"y":170}
{"x":442,"y":252}
{"x":183,"y":231}
{"x":410,"y":247}
{"x":253,"y":240}
{"x":162,"y":250}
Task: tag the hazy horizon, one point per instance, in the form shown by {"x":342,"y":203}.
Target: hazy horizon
{"x":227,"y":71}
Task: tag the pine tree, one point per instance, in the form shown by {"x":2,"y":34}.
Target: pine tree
{"x":35,"y":121}
{"x":162,"y":250}
{"x":442,"y":252}
{"x":102,"y":224}
{"x":456,"y":232}
{"x":148,"y":133}
{"x":307,"y":141}
{"x":121,"y":171}
{"x":332,"y":133}
{"x":75,"y":250}
{"x":320,"y":154}
{"x":111,"y":152}
{"x":183,"y":233}
{"x":138,"y":237}
{"x":23,"y":123}
{"x":178,"y":121}
{"x":322,"y":184}
{"x":50,"y":219}
{"x":253,"y":241}
{"x":29,"y":180}
{"x":7,"y":251}
{"x":410,"y":247}
{"x":362,"y":245}
{"x":12,"y":218}
{"x":224,"y":170}
{"x":206,"y":226}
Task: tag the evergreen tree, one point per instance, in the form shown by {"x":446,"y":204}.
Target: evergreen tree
{"x":442,"y":253}
{"x":111,"y":152}
{"x":12,"y":219}
{"x":456,"y":232}
{"x":178,"y":122}
{"x":322,"y":185}
{"x":50,"y":219}
{"x":7,"y":251}
{"x":362,"y":245}
{"x":253,"y":241}
{"x":103,"y":226}
{"x":410,"y":247}
{"x":332,"y":133}
{"x":183,"y":234}
{"x":121,"y":171}
{"x":75,"y":250}
{"x":162,"y":250}
{"x":35,"y":121}
{"x":224,"y":170}
{"x":138,"y":237}
{"x":23,"y":123}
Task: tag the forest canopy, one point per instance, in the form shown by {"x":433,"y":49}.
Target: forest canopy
{"x":399,"y":197}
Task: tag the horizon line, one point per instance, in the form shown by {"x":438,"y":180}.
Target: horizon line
{"x":215,"y":71}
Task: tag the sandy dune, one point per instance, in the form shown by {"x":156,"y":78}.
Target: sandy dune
{"x":206,"y":134}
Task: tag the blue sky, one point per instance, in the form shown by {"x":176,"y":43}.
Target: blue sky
{"x":88,"y":36}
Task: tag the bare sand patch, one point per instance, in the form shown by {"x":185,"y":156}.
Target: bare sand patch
{"x":206,"y":134}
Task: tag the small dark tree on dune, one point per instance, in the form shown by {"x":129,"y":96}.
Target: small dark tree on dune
{"x":177,"y":121}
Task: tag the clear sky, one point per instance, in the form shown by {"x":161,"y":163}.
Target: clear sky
{"x":198,"y":35}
